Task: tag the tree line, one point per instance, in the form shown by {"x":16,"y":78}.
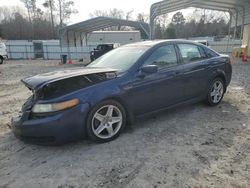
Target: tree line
{"x":35,"y":22}
{"x":198,"y":24}
{"x":43,"y":21}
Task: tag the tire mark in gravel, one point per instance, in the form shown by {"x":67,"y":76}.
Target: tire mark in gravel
{"x":201,"y":158}
{"x":114,"y":177}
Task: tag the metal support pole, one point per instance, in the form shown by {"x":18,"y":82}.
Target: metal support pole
{"x":236,"y":24}
{"x":145,"y":30}
{"x":229,"y":31}
{"x":86,"y":39}
{"x":60,"y":41}
{"x":151,"y":28}
{"x":75,"y":39}
{"x":26,"y":52}
{"x":68,"y":48}
{"x":9,"y":51}
{"x":243,"y":23}
{"x":81,"y":39}
{"x":47,"y":51}
{"x":81,"y":44}
{"x":151,"y":23}
{"x":86,"y":42}
{"x":75,"y":54}
{"x":32,"y":48}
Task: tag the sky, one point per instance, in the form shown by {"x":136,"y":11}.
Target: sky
{"x":85,"y":7}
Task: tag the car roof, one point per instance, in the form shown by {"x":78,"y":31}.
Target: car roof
{"x":107,"y":44}
{"x":151,"y":43}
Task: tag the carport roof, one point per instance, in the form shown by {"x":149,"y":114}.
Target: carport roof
{"x":167,"y":6}
{"x":239,"y":9}
{"x":99,"y":23}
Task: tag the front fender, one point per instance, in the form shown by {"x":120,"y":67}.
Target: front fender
{"x":112,"y":91}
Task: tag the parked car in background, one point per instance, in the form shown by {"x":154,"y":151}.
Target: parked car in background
{"x":102,"y":49}
{"x":3,"y":52}
{"x":131,"y":81}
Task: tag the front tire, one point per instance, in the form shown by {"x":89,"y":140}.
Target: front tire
{"x":215,"y":92}
{"x":106,"y":121}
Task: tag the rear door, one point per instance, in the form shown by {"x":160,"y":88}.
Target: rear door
{"x":195,"y":72}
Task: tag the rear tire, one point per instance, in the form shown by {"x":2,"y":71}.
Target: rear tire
{"x":215,"y":92}
{"x":106,"y":121}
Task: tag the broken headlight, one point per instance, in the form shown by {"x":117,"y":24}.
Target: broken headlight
{"x":54,"y":107}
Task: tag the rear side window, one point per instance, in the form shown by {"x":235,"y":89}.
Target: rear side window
{"x":190,"y":53}
{"x":202,"y":52}
{"x":210,"y":53}
{"x":163,"y":57}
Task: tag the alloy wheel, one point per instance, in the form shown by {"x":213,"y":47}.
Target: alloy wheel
{"x":107,"y":121}
{"x":217,"y":91}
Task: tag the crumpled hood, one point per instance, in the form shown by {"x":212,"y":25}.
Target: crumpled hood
{"x":38,"y":81}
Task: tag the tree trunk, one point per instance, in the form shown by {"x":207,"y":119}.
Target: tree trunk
{"x":31,"y":33}
{"x":60,"y":12}
{"x":52,"y":19}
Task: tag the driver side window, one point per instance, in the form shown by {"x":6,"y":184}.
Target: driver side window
{"x":163,"y":57}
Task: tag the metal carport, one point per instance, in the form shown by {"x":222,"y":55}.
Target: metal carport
{"x":239,"y":11}
{"x":72,"y":34}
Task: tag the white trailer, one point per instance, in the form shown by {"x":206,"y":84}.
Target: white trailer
{"x":121,"y":37}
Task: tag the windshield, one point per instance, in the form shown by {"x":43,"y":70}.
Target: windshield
{"x":120,"y":58}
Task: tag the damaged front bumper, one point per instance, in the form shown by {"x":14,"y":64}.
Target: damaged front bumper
{"x":67,"y":125}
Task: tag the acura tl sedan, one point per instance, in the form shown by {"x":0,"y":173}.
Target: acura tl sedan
{"x":98,"y":100}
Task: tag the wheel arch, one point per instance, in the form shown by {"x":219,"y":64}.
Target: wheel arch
{"x":128,"y":111}
{"x":95,"y":106}
{"x":220,"y":74}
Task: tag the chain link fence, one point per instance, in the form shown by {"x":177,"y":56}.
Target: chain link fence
{"x":51,"y":50}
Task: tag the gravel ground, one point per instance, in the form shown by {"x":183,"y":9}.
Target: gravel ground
{"x":191,"y":146}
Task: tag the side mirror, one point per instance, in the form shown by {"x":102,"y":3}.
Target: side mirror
{"x":149,"y":69}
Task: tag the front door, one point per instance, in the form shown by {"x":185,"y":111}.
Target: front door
{"x":161,"y":89}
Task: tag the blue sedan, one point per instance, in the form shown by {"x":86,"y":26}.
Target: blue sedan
{"x":134,"y":80}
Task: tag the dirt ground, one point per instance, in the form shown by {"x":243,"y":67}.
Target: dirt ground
{"x":191,"y":146}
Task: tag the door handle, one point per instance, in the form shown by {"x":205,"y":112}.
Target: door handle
{"x":208,"y":66}
{"x":128,"y":87}
{"x":178,"y":72}
{"x":173,"y":74}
